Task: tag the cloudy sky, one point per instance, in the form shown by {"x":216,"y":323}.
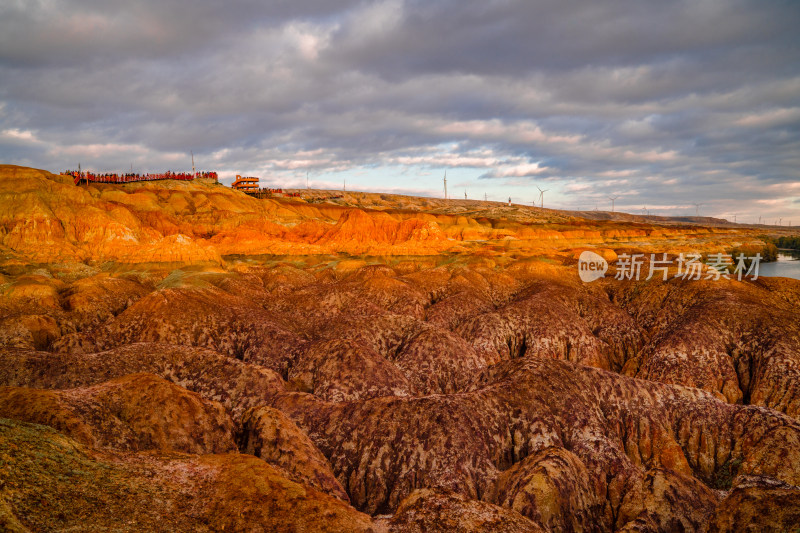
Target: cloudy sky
{"x":664,"y":103}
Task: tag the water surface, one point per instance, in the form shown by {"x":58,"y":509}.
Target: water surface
{"x":787,"y":266}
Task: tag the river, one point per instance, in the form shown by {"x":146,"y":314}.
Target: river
{"x":787,"y":266}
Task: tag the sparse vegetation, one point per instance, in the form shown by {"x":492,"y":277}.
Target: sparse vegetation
{"x":768,"y":251}
{"x":788,"y":242}
{"x":724,"y":475}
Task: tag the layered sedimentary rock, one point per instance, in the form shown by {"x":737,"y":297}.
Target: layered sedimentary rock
{"x":236,"y":385}
{"x":343,"y":370}
{"x":570,"y":447}
{"x":739,"y":340}
{"x":269,"y":434}
{"x":435,"y":510}
{"x":206,"y":317}
{"x":120,"y":414}
{"x":509,"y":423}
{"x":478,"y":387}
{"x":46,"y":218}
{"x":51,"y":482}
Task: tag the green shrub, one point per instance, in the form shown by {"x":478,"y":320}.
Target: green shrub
{"x":768,"y":251}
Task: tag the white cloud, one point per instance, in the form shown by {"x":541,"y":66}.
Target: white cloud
{"x":14,"y":135}
{"x":772,"y":118}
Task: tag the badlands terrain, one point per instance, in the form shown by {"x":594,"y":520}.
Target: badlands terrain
{"x":177,"y":356}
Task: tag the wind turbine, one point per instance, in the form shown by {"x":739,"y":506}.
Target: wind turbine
{"x":697,"y":209}
{"x":445,"y":185}
{"x":613,"y":199}
{"x":644,"y":210}
{"x":485,"y":197}
{"x":541,"y":196}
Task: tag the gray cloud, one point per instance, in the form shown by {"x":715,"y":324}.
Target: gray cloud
{"x":662,"y":102}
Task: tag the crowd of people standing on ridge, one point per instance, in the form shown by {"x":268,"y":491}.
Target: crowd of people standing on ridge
{"x":91,"y":177}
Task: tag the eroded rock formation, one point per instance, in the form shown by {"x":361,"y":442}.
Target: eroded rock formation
{"x":476,"y":385}
{"x":119,"y":414}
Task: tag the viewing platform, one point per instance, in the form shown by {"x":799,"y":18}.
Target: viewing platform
{"x":245,"y":184}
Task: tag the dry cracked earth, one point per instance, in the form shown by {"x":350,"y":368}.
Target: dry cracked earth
{"x":459,"y":392}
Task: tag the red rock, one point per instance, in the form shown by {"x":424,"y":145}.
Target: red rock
{"x":552,"y":489}
{"x":51,"y":482}
{"x":270,"y":435}
{"x":135,"y":412}
{"x":204,"y":317}
{"x":448,"y":389}
{"x":432,"y":510}
{"x":343,"y":370}
{"x":236,"y":385}
{"x":437,"y":361}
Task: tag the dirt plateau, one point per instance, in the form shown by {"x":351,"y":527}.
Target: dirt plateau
{"x":181,"y":357}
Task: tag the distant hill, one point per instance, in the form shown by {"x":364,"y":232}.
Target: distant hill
{"x":46,"y":218}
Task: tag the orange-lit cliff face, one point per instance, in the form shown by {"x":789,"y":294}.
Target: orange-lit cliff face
{"x":46,"y":218}
{"x":157,"y":369}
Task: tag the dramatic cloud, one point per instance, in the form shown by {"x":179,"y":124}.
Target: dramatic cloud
{"x":664,"y":103}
